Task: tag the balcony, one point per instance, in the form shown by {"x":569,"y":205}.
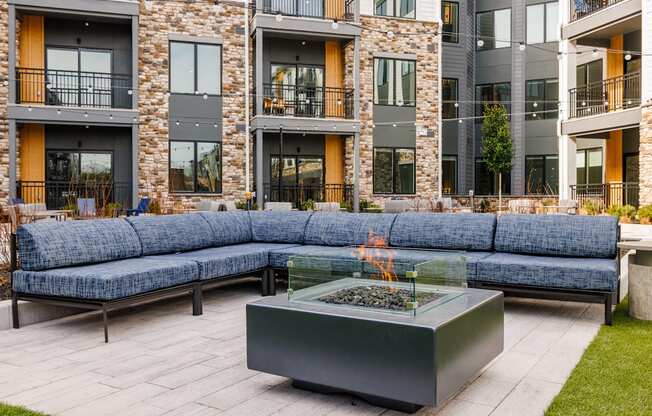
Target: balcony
{"x":584,"y":8}
{"x":613,"y":94}
{"x":606,"y":194}
{"x":304,"y":101}
{"x":298,"y":194}
{"x":73,"y":88}
{"x":62,"y":194}
{"x":339,"y":10}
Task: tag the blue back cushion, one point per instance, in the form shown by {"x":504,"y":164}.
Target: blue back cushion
{"x":229,"y":227}
{"x":341,"y":229}
{"x":279,"y":226}
{"x":161,"y":234}
{"x":558,"y":235}
{"x":444,"y":231}
{"x":46,"y":245}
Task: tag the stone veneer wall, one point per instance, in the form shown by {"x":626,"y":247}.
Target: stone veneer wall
{"x":4,"y":95}
{"x":201,"y":18}
{"x":645,"y":156}
{"x":413,"y":37}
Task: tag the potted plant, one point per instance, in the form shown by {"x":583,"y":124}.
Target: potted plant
{"x":645,"y":215}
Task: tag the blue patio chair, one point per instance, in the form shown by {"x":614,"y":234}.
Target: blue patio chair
{"x":86,"y":207}
{"x":142,"y":207}
{"x":581,"y":8}
{"x":16,"y":201}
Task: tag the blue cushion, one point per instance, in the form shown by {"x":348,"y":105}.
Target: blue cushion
{"x":228,"y":260}
{"x":229,"y":227}
{"x":161,"y":234}
{"x":279,"y":227}
{"x":558,"y":235}
{"x":279,"y":258}
{"x":107,"y":281}
{"x":444,"y":231}
{"x":46,"y":245}
{"x":342,"y":229}
{"x":549,"y":272}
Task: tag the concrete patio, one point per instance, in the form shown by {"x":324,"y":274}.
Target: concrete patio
{"x":163,"y":361}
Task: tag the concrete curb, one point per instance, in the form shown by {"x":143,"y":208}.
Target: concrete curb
{"x":32,"y":313}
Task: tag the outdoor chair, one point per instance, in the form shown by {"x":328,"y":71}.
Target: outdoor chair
{"x":278,"y":206}
{"x":86,"y":207}
{"x":143,"y":206}
{"x":396,"y":206}
{"x":327,"y":206}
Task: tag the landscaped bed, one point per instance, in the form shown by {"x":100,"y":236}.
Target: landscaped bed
{"x":6,"y":410}
{"x":5,"y":284}
{"x":614,"y":377}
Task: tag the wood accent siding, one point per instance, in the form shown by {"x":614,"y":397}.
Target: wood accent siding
{"x":334,"y":159}
{"x":32,"y":55}
{"x":32,"y":159}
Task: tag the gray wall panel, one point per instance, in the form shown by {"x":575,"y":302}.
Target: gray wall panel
{"x":400,"y":136}
{"x":191,"y":109}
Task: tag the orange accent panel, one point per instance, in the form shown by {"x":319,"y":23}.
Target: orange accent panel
{"x":334,"y":165}
{"x":32,"y":55}
{"x":614,"y":157}
{"x":616,"y":68}
{"x":334,"y":68}
{"x":32,"y":160}
{"x":335,"y":9}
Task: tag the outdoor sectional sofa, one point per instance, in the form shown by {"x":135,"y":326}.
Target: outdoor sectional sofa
{"x":107,"y":264}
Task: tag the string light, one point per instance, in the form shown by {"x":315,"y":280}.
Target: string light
{"x":521,"y":46}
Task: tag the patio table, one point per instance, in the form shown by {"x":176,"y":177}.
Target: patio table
{"x":639,"y":278}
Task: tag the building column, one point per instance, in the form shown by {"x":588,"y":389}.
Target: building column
{"x":260,"y":191}
{"x":567,"y":145}
{"x":12,"y":158}
{"x":134,"y":62}
{"x":134,"y":166}
{"x":567,"y":166}
{"x":356,"y":115}
{"x":518,"y":101}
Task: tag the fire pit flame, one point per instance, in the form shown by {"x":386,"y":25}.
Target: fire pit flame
{"x":370,"y":253}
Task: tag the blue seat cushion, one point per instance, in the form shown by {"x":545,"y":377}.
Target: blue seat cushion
{"x":229,"y":227}
{"x":107,"y":281}
{"x":286,"y":227}
{"x":558,"y":235}
{"x":549,"y":272}
{"x":473,"y":232}
{"x":402,"y":259}
{"x":343,"y":229}
{"x":46,"y":245}
{"x":228,"y":260}
{"x":160,"y":234}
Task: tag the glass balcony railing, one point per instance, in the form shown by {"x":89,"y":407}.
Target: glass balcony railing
{"x":613,"y":94}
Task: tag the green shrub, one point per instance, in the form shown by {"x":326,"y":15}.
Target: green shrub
{"x":308,"y":205}
{"x":645,"y":214}
{"x":592,"y":207}
{"x":626,"y":213}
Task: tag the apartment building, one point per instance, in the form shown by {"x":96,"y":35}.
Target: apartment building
{"x":500,"y":52}
{"x":178,"y":100}
{"x":606,"y":89}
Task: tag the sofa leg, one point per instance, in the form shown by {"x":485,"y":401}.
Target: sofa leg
{"x":264,"y":283}
{"x":197,"y":301}
{"x":608,"y":309}
{"x":105,"y":319}
{"x":14,"y":310}
{"x":271,"y":281}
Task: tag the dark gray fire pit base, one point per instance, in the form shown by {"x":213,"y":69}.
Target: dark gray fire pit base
{"x":392,"y":360}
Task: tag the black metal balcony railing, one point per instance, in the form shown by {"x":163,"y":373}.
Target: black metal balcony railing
{"x":73,"y":88}
{"x":618,"y":93}
{"x":64,"y":194}
{"x":319,"y":9}
{"x":583,"y":8}
{"x":304,"y":101}
{"x":607,"y":194}
{"x":298,"y":194}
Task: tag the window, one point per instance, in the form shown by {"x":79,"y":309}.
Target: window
{"x":306,"y":171}
{"x":542,"y":175}
{"x":589,"y":73}
{"x":449,"y":106}
{"x":542,"y":22}
{"x":395,"y":82}
{"x":542,"y":99}
{"x":486,"y":183}
{"x":66,"y":166}
{"x":492,"y":94}
{"x":589,"y":166}
{"x":450,"y":16}
{"x":394,"y":171}
{"x":494,"y":29}
{"x":195,"y":68}
{"x":395,"y":8}
{"x":195,"y":167}
{"x":449,"y":174}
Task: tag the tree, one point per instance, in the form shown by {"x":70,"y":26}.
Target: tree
{"x":497,"y":151}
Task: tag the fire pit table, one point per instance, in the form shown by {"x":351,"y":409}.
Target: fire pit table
{"x":399,"y":335}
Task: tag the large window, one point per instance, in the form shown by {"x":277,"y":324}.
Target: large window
{"x":394,"y":82}
{"x":589,"y":73}
{"x":542,"y":20}
{"x":450,"y":16}
{"x":492,"y":94}
{"x":494,"y":29}
{"x":486,"y":183}
{"x":195,"y":167}
{"x":542,"y":174}
{"x":449,"y":175}
{"x":306,"y":171}
{"x":449,"y":94}
{"x":542,"y":99}
{"x":589,"y":166}
{"x":195,"y":68}
{"x":394,"y":170}
{"x":72,"y":166}
{"x":395,"y":8}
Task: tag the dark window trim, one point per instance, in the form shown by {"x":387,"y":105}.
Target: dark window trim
{"x":296,"y":166}
{"x":586,"y":164}
{"x":396,"y":61}
{"x":493,"y":38}
{"x":545,"y":165}
{"x":545,"y":22}
{"x":456,"y":36}
{"x":507,"y":104}
{"x":79,"y":152}
{"x":373,"y":169}
{"x":546,"y":115}
{"x":494,"y":179}
{"x":194,"y":173}
{"x":196,"y":72}
{"x":457,"y":97}
{"x":455,"y":182}
{"x":395,"y":11}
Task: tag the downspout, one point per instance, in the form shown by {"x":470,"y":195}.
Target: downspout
{"x":246,"y":94}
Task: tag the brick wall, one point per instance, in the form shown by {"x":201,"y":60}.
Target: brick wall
{"x":645,"y":156}
{"x":4,"y":95}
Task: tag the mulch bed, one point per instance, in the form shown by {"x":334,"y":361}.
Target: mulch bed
{"x":5,"y":286}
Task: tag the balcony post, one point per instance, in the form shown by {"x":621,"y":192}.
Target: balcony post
{"x":356,"y":116}
{"x":260,"y":191}
{"x":259,"y":72}
{"x":12,"y":54}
